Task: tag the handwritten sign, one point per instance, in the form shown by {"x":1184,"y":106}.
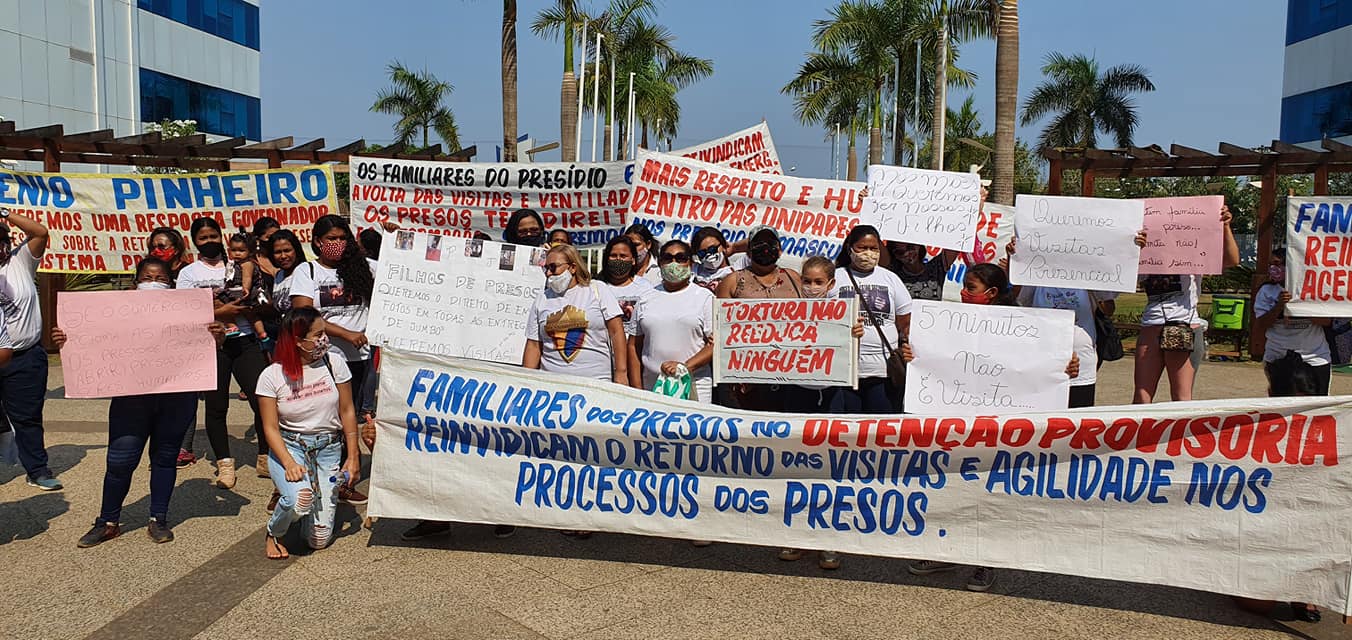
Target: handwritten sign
{"x":751,"y":149}
{"x":455,"y":296}
{"x":983,"y":358}
{"x":1078,"y":243}
{"x":785,"y":341}
{"x":131,"y":343}
{"x":1319,"y":257}
{"x":935,"y":208}
{"x":1218,"y":495}
{"x":1183,"y":236}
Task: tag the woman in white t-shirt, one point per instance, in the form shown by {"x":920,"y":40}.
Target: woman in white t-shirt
{"x":618,"y":274}
{"x":676,"y":325}
{"x":884,"y":300}
{"x":1292,"y":343}
{"x":308,"y":419}
{"x":1171,"y":300}
{"x":645,"y":260}
{"x":575,"y":326}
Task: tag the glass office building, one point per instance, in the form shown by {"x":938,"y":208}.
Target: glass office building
{"x":1317,"y":80}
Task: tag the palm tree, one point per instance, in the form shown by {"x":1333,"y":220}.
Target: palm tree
{"x":562,"y":20}
{"x":1085,"y":102}
{"x":963,"y":123}
{"x":1006,"y":99}
{"x":943,"y":24}
{"x":831,"y":89}
{"x":419,"y":101}
{"x":509,"y":80}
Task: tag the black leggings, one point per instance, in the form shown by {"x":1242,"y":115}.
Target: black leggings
{"x":243,"y":358}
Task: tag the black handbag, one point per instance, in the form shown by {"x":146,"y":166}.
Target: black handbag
{"x":1107,"y":341}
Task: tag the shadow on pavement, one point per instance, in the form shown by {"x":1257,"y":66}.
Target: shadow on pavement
{"x":194,"y":498}
{"x":29,"y":517}
{"x":60,"y":458}
{"x":1107,"y":594}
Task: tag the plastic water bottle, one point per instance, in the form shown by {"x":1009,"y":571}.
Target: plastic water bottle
{"x":341,"y":479}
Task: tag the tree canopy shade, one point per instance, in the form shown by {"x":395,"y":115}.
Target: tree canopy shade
{"x":1084,"y":101}
{"x":418,"y":99}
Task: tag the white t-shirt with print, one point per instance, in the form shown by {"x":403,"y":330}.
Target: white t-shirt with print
{"x":200,"y":275}
{"x":675,"y":326}
{"x":309,"y":405}
{"x":1170,"y":298}
{"x":338,"y":306}
{"x":1081,"y":302}
{"x":571,"y":330}
{"x":628,"y":298}
{"x":281,"y":289}
{"x":19,"y":298}
{"x":885,"y":294}
{"x":1290,"y":334}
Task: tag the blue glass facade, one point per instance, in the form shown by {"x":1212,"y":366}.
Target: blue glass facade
{"x":1306,"y":19}
{"x":217,"y":111}
{"x":1315,"y":115}
{"x":234,"y":20}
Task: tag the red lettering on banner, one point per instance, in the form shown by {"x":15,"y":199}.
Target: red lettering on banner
{"x":64,"y":221}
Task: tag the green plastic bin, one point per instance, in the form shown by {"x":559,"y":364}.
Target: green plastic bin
{"x":1227,"y":312}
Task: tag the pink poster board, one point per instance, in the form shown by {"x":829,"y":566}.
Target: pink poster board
{"x":1183,"y":236}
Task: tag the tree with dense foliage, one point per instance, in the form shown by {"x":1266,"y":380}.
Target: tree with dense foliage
{"x":1083,"y":101}
{"x":419,"y":100}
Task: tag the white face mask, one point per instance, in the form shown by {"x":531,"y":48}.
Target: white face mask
{"x":810,"y":291}
{"x":560,"y":283}
{"x":866,"y":259}
{"x":712,"y":261}
{"x":152,"y":285}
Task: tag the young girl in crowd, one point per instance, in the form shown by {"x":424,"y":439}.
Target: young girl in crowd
{"x":885,"y":307}
{"x":167,"y":244}
{"x":308,"y":419}
{"x":675,"y":325}
{"x":241,"y":355}
{"x":159,"y":419}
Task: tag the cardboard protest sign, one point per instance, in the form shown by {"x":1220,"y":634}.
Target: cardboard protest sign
{"x":1183,"y":236}
{"x":994,"y":229}
{"x":99,"y":223}
{"x":117,"y":341}
{"x":988,"y":358}
{"x":1078,"y":243}
{"x":785,"y":341}
{"x":588,"y":200}
{"x":1243,"y":497}
{"x":455,"y":296}
{"x":675,"y":196}
{"x":934,"y":208}
{"x":1319,"y":257}
{"x":750,"y":149}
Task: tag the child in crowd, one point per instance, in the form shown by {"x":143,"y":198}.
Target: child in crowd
{"x":242,"y":284}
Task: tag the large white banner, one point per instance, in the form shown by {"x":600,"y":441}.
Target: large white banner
{"x":454,"y":296}
{"x":588,"y":200}
{"x":1245,"y":497}
{"x":1319,"y":257}
{"x":750,"y":149}
{"x":675,"y":196}
{"x":934,"y":208}
{"x":786,"y":341}
{"x":985,"y":358}
{"x":1077,"y":243}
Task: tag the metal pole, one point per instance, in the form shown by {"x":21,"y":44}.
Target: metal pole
{"x":581,"y":86}
{"x":896,"y":91}
{"x":629,"y":117}
{"x":915,"y":143}
{"x":596,"y":94}
{"x":835,"y":158}
{"x":610,"y":114}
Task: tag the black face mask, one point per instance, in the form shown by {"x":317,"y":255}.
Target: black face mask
{"x":764,"y":254}
{"x":211,"y":250}
{"x":531,"y":239}
{"x":619,"y":269}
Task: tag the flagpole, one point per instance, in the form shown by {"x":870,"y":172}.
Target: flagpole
{"x":610,"y":111}
{"x":596,"y":94}
{"x":915,"y":144}
{"x":629,"y":125}
{"x":581,"y":87}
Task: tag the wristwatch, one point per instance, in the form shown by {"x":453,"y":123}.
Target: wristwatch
{"x":4,"y":213}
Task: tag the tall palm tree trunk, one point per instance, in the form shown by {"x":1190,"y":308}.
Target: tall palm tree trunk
{"x":875,"y":132}
{"x":851,"y":163}
{"x":509,"y":80}
{"x":940,"y":94}
{"x":610,"y":133}
{"x":643,"y":141}
{"x":568,"y":116}
{"x":1006,"y":101}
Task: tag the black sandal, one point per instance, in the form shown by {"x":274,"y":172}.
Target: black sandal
{"x":1305,"y":612}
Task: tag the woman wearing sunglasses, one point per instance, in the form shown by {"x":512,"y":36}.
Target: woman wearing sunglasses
{"x":675,"y":325}
{"x":575,"y":326}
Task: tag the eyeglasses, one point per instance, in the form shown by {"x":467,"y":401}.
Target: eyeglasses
{"x":553,"y":268}
{"x":668,"y":258}
{"x":704,"y":253}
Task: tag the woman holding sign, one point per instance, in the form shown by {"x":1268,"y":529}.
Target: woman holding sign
{"x":1165,"y":342}
{"x":675,"y":326}
{"x":1296,"y":348}
{"x":157,"y":419}
{"x":885,"y":306}
{"x":762,"y":278}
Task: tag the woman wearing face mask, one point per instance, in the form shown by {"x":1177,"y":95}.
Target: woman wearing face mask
{"x":762,"y":278}
{"x":924,"y":280}
{"x":575,"y":326}
{"x":339,"y":284}
{"x":241,"y":355}
{"x":676,"y":325}
{"x":159,"y":419}
{"x":1287,"y":335}
{"x":711,"y":264}
{"x":525,"y":227}
{"x":884,"y":302}
{"x":309,"y":418}
{"x":646,"y":258}
{"x":167,"y":244}
{"x":628,"y":291}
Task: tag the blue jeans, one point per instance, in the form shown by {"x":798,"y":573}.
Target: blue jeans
{"x":321,"y":456}
{"x":23,"y":393}
{"x":159,"y":419}
{"x":874,"y":395}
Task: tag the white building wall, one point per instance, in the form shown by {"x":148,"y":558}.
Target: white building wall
{"x":179,"y":50}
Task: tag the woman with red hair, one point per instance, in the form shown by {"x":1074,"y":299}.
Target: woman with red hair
{"x":305,"y":399}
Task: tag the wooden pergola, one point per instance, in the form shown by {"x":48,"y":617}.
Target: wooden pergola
{"x":52,"y":147}
{"x":1230,"y":160}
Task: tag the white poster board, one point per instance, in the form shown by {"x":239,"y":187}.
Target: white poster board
{"x":786,"y":341}
{"x":920,"y":206}
{"x":986,"y":358}
{"x":1077,"y":243}
{"x":455,"y":296}
{"x":1319,"y":257}
{"x":751,"y":149}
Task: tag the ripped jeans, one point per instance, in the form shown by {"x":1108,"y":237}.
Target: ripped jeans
{"x":314,"y":498}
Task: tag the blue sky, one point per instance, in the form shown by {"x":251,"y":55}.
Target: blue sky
{"x":1216,"y":65}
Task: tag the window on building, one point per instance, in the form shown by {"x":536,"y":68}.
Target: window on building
{"x":1319,"y":114}
{"x":234,"y":20}
{"x":217,"y":111}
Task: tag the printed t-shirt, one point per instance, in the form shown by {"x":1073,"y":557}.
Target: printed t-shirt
{"x":675,"y":326}
{"x":1290,"y":334}
{"x":926,"y":285}
{"x":309,"y":405}
{"x":336,"y":303}
{"x":19,"y":298}
{"x":571,"y":330}
{"x":200,"y":275}
{"x":628,"y":298}
{"x":1082,"y":303}
{"x":887,"y":297}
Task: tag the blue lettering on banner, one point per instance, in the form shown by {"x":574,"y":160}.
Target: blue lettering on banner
{"x":895,"y":467}
{"x":472,"y":398}
{"x":430,"y":434}
{"x":1084,"y":477}
{"x":1228,"y":486}
{"x":213,"y":190}
{"x":587,"y":488}
{"x":825,"y":506}
{"x":36,"y":191}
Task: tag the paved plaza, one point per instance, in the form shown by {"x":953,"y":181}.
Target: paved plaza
{"x":214,"y":582}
